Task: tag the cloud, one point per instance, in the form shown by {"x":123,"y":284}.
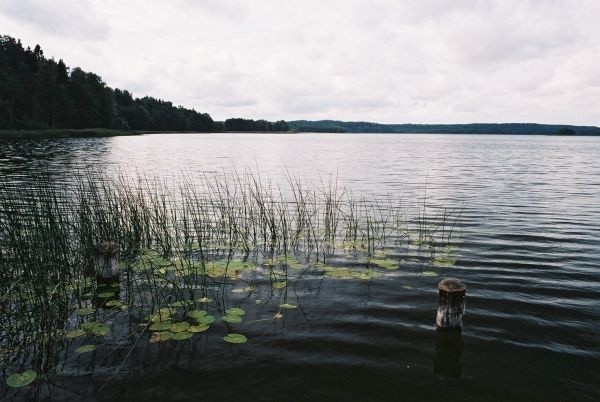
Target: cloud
{"x":382,"y":60}
{"x":57,"y":17}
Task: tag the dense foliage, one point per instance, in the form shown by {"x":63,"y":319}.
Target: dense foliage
{"x":254,"y":125}
{"x":333,"y":126}
{"x":40,"y":93}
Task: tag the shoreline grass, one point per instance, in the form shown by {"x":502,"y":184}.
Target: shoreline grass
{"x":178,"y":242}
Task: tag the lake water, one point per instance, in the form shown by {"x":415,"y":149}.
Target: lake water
{"x":528,"y":249}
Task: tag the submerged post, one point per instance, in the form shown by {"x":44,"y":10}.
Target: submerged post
{"x":451,"y":304}
{"x":106,"y":260}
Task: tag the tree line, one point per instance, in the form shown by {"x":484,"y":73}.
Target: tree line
{"x":41,"y":93}
{"x":334,"y":126}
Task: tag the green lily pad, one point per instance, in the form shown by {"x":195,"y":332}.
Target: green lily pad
{"x":18,"y":380}
{"x":161,"y":326}
{"x":429,"y":273}
{"x":235,"y":311}
{"x":235,"y":338}
{"x":180,"y":303}
{"x":179,"y":327}
{"x":85,"y":311}
{"x":279,"y":285}
{"x":206,"y":320}
{"x":75,"y":333}
{"x":100,"y":329}
{"x":232,"y":319}
{"x":198,"y":328}
{"x":106,"y":295}
{"x":195,"y":314}
{"x":181,"y":336}
{"x":85,"y":349}
{"x":204,"y":300}
{"x":288,"y":306}
{"x":113,"y":303}
{"x":239,"y":290}
{"x":386,"y":263}
{"x":161,"y":336}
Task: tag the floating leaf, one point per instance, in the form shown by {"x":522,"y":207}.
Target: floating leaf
{"x":444,"y":260}
{"x":100,"y":329}
{"x":161,"y":336}
{"x":75,"y":333}
{"x":161,"y":326}
{"x":204,"y":300}
{"x":235,"y":338}
{"x":385,"y":263}
{"x":180,"y":303}
{"x":198,"y":328}
{"x":239,"y":290}
{"x":179,"y":327}
{"x":85,"y":349}
{"x":235,"y":311}
{"x":279,"y":285}
{"x":278,"y":316}
{"x":85,"y":311}
{"x":195,"y":314}
{"x":233,"y":319}
{"x":429,"y":273}
{"x":113,"y":303}
{"x":288,"y":306}
{"x":258,"y":301}
{"x":106,"y":295}
{"x":181,"y":336}
{"x":18,"y":380}
{"x":206,"y":320}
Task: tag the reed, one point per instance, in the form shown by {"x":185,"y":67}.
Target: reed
{"x":179,"y":241}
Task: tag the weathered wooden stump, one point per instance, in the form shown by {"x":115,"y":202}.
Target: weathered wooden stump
{"x":106,"y":260}
{"x":451,"y":304}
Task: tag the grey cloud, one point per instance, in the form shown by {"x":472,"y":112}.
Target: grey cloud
{"x":62,"y":18}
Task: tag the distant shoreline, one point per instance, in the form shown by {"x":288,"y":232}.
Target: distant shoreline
{"x":7,"y":135}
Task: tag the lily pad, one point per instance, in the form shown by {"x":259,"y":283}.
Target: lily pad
{"x":179,"y":327}
{"x":113,"y":303}
{"x":206,"y":320}
{"x":85,"y":349}
{"x":85,"y":311}
{"x":18,"y":380}
{"x":75,"y":333}
{"x":161,"y":336}
{"x":195,"y":314}
{"x":279,"y":285}
{"x":232,"y":319}
{"x":386,"y":263}
{"x":288,"y":306}
{"x":198,"y":328}
{"x":235,"y":338}
{"x":180,"y":336}
{"x":106,"y":295}
{"x":235,"y":311}
{"x":429,"y":273}
{"x":204,"y":300}
{"x":180,"y":303}
{"x":161,"y":326}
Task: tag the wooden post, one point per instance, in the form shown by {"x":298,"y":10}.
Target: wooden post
{"x":451,"y":304}
{"x":106,"y":260}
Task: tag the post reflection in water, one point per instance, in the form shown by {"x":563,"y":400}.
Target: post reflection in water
{"x":448,"y":350}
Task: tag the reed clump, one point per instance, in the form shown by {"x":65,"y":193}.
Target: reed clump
{"x":178,"y":242}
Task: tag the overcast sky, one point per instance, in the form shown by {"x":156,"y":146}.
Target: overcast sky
{"x":422,"y":61}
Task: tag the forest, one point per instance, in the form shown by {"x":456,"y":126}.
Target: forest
{"x":40,"y":93}
{"x":334,"y":126}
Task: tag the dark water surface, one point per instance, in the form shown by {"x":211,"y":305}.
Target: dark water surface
{"x":528,"y":250}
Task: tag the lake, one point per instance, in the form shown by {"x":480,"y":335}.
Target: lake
{"x":527,"y":246}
